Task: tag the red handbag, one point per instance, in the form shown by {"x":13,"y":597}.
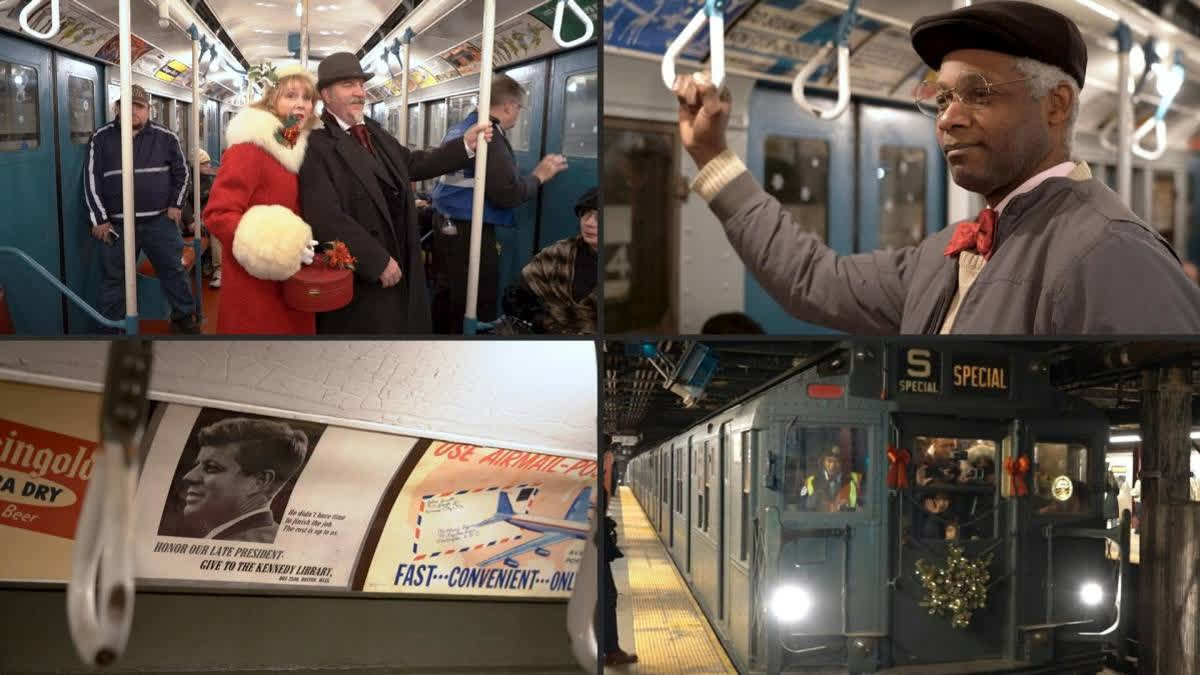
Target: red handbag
{"x":319,"y":287}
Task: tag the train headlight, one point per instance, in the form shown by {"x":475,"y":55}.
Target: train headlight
{"x":1091,"y":593}
{"x":790,"y":604}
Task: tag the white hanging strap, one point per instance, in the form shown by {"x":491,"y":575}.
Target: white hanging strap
{"x":588,"y":27}
{"x":841,"y":42}
{"x":714,"y":12}
{"x":1160,"y":134}
{"x":100,"y":594}
{"x":55,"y":22}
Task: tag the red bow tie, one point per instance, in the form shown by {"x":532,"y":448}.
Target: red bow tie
{"x":978,"y":236}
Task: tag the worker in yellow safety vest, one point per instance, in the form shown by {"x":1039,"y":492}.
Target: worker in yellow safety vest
{"x":832,"y":490}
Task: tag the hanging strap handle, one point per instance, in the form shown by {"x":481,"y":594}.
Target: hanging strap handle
{"x":588,"y":27}
{"x":101,"y":591}
{"x":714,"y":12}
{"x":55,"y":22}
{"x":841,"y":42}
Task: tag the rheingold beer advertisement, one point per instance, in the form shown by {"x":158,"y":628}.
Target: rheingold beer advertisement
{"x":474,"y":520}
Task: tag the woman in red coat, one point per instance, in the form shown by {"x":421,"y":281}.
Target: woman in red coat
{"x":253,"y":205}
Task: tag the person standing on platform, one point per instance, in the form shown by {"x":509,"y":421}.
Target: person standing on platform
{"x":505,"y":190}
{"x":355,"y":187}
{"x":613,"y":654}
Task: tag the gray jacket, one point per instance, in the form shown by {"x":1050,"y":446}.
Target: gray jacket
{"x":1070,"y":259}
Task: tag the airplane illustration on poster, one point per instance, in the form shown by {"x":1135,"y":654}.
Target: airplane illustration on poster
{"x":573,"y":526}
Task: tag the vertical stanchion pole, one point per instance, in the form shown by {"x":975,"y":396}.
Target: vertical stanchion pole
{"x":304,"y":35}
{"x":128,"y":214}
{"x":470,"y":321}
{"x":194,"y":142}
{"x":404,"y":88}
{"x":1124,"y":116}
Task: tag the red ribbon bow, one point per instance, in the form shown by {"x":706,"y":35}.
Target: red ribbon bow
{"x":978,"y":236}
{"x":897,"y":477}
{"x":1016,"y":469}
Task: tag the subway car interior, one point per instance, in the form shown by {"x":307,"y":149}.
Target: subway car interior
{"x":1019,"y":465}
{"x":303,"y":506}
{"x":60,"y":81}
{"x":844,"y":148}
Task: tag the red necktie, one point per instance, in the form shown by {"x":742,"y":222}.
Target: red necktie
{"x":975,"y":236}
{"x":364,"y":138}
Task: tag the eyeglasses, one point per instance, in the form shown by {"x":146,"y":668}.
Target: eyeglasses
{"x":973,"y":90}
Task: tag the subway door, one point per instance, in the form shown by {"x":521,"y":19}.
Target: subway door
{"x":572,"y":131}
{"x":902,"y":178}
{"x":807,"y":164}
{"x":27,"y":172}
{"x":80,"y":112}
{"x":517,"y":243}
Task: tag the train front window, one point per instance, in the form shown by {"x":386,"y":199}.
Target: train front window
{"x":82,"y":102}
{"x":1059,"y":480}
{"x":901,"y":175}
{"x":20,"y":126}
{"x":579,"y":122}
{"x":796,"y":172}
{"x":954,"y":487}
{"x":825,"y":468}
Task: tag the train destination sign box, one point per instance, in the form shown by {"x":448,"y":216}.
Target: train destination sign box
{"x":927,"y":372}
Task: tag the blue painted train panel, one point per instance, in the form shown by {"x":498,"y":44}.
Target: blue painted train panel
{"x":573,"y":132}
{"x":517,"y":243}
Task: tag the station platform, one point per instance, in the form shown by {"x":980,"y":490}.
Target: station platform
{"x":657,"y":617}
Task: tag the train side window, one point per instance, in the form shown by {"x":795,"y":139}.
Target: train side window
{"x":20,"y":123}
{"x":82,"y":102}
{"x":459,"y":107}
{"x":954,"y":490}
{"x":158,"y":110}
{"x":179,"y":125}
{"x":901,"y":175}
{"x":796,"y":172}
{"x":579,"y":121}
{"x":825,"y":468}
{"x":747,"y":473}
{"x":437,"y":122}
{"x":1162,"y":208}
{"x":1060,"y":477}
{"x":416,"y":136}
{"x":679,"y":481}
{"x":520,"y":135}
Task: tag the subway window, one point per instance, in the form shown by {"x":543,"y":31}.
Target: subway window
{"x":82,"y":102}
{"x":1060,"y":484}
{"x":796,"y":172}
{"x":825,"y":468}
{"x":20,"y":127}
{"x":901,"y":175}
{"x":954,"y":488}
{"x":416,"y":135}
{"x":520,"y":136}
{"x":459,"y":107}
{"x":579,"y":121}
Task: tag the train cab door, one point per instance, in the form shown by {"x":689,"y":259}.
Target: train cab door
{"x":824,"y":578}
{"x":28,"y":185}
{"x":807,"y":164}
{"x":901,"y":179}
{"x":80,"y":112}
{"x":517,"y":243}
{"x":1065,"y":485}
{"x":572,"y":130}
{"x":952,"y":497}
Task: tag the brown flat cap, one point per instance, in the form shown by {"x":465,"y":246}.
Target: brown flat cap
{"x":1005,"y":26}
{"x":140,"y":95}
{"x":340,"y":66}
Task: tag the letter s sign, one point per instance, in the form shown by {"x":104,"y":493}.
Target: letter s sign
{"x":919,"y":363}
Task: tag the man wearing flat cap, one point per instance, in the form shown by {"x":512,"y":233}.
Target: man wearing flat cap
{"x":355,"y":187}
{"x":1055,"y":252}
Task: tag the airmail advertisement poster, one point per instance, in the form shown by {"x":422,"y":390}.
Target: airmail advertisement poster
{"x":47,"y":456}
{"x":473,"y":520}
{"x":248,"y":499}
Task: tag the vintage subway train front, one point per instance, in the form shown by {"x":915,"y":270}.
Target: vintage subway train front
{"x":969,"y":461}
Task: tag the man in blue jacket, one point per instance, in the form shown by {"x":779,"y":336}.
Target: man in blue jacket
{"x":160,"y":185}
{"x":506,"y":189}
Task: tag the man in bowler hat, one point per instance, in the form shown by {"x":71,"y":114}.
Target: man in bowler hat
{"x":1055,"y":251}
{"x":355,"y":186}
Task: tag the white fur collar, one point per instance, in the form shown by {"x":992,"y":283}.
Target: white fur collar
{"x":252,"y":125}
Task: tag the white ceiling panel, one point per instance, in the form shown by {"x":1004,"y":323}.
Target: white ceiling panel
{"x":261,"y":27}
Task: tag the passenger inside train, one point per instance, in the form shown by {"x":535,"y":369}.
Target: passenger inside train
{"x":823,"y":469}
{"x":836,"y":216}
{"x":331,"y":137}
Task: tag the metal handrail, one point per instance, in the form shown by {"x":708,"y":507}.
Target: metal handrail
{"x":714,"y":12}
{"x":841,"y":42}
{"x":588,"y":27}
{"x":65,"y":290}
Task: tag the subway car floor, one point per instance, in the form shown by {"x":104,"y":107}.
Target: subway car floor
{"x":657,"y":618}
